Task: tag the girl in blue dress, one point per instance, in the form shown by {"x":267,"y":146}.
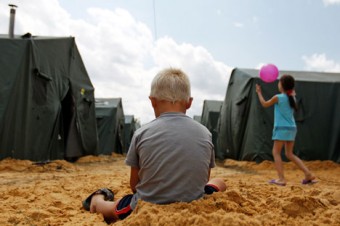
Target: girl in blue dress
{"x":284,"y":130}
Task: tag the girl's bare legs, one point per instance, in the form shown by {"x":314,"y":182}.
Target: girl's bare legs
{"x":289,"y":145}
{"x":277,"y":148}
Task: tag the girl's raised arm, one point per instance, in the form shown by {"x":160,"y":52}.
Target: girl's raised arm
{"x":263,"y":102}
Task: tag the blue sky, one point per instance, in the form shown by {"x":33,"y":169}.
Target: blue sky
{"x":124,"y":43}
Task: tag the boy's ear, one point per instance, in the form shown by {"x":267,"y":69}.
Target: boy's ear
{"x":153,"y":101}
{"x":188,"y":105}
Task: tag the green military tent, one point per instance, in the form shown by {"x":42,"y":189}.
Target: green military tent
{"x":131,"y":125}
{"x":210,"y":116}
{"x":246,"y":127}
{"x":47,"y":100}
{"x":197,"y":118}
{"x":110,"y":125}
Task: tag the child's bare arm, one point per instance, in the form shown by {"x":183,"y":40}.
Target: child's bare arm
{"x":263,"y":102}
{"x":134,"y":179}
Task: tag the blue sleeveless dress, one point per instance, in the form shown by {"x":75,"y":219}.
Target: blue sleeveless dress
{"x":284,"y":122}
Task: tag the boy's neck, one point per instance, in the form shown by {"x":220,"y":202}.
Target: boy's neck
{"x":162,"y":106}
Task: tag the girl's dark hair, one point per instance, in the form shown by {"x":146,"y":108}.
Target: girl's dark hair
{"x":288,"y":84}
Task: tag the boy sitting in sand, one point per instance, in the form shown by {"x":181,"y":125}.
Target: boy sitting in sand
{"x":170,"y":157}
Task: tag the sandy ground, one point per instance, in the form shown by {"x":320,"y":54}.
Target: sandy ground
{"x":51,"y":194}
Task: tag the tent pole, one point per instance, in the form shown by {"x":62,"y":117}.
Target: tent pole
{"x":11,"y":20}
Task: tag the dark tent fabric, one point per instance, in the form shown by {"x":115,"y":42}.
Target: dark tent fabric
{"x":47,"y":100}
{"x":210,"y":115}
{"x":110,"y":125}
{"x":246,"y":127}
{"x":197,"y":118}
{"x":131,"y":125}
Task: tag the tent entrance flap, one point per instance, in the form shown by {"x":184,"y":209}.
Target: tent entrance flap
{"x":72,"y":142}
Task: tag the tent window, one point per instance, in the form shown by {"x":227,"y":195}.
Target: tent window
{"x":40,"y":83}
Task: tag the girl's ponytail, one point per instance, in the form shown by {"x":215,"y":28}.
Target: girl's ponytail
{"x":288,"y":83}
{"x":292,"y":102}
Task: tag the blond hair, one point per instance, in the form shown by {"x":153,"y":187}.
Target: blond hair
{"x":172,"y":85}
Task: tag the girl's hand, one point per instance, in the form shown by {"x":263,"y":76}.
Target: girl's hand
{"x":258,"y":88}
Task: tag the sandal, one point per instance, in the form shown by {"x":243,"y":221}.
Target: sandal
{"x":108,"y":196}
{"x":311,"y":181}
{"x":277,"y":182}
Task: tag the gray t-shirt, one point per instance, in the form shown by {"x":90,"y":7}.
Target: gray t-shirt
{"x":174,"y":154}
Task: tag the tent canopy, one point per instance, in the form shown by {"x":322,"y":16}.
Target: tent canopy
{"x":47,"y":100}
{"x":246,"y":127}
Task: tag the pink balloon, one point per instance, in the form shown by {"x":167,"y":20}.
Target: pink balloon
{"x":269,"y":73}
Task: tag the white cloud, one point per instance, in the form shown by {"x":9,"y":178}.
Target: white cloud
{"x":121,"y":55}
{"x":238,"y":25}
{"x":330,"y":2}
{"x":319,"y":62}
{"x":37,"y":17}
{"x":209,"y":78}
